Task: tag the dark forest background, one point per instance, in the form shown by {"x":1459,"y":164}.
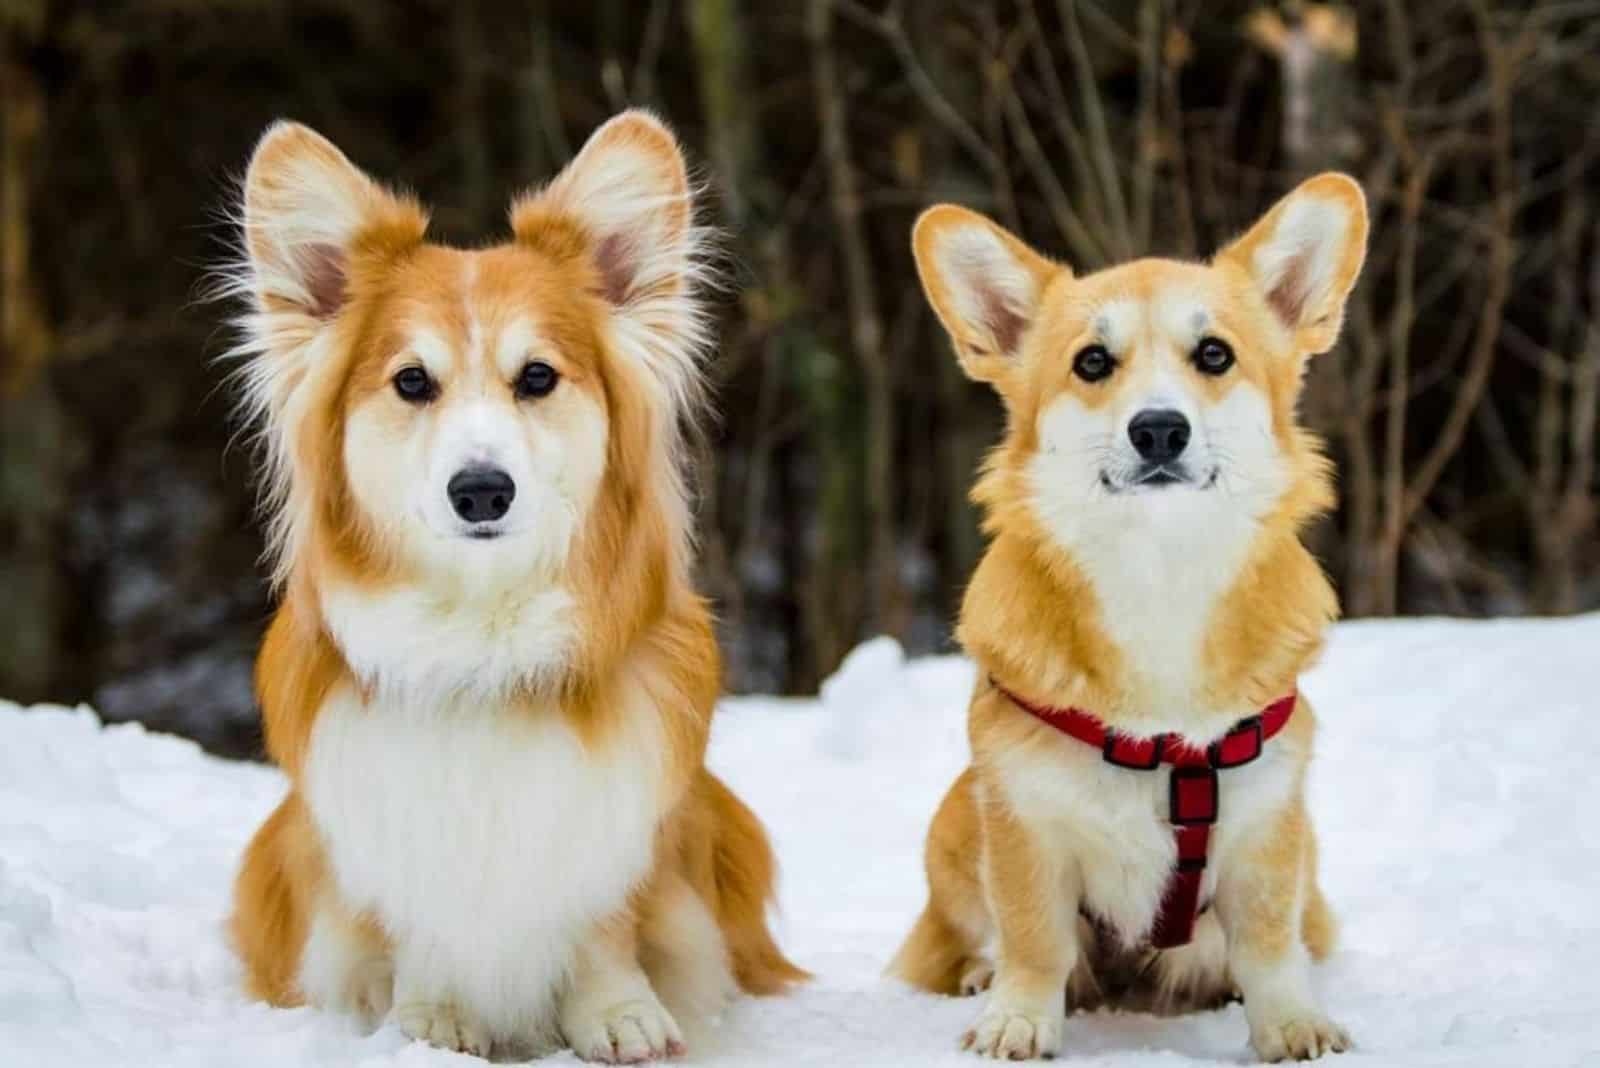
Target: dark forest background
{"x":1461,"y":405}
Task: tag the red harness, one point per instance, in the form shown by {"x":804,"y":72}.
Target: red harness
{"x":1192,"y":793}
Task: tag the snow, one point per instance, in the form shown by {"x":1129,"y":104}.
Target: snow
{"x":1451,"y":791}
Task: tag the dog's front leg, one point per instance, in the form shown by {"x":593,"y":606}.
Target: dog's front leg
{"x":1260,"y":902}
{"x":346,"y":964}
{"x":610,"y":1013}
{"x":425,"y":1008}
{"x":1034,"y":912}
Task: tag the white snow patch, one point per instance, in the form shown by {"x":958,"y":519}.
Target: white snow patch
{"x":1452,"y":793}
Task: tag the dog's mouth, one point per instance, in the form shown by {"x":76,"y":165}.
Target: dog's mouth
{"x":483,"y":532}
{"x":1152,"y":477}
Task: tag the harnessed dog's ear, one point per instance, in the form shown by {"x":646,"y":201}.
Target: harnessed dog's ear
{"x":985,"y":285}
{"x":309,"y":215}
{"x":1304,"y":254}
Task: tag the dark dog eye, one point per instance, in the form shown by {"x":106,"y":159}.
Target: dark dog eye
{"x":1093,"y":363}
{"x":414,"y":385}
{"x":1212,"y":356}
{"x":536,"y":380}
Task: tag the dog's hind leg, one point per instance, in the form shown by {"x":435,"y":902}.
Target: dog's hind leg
{"x":1318,"y":926}
{"x":944,"y":953}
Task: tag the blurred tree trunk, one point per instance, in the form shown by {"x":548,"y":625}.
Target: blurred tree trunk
{"x":1407,"y":485}
{"x":960,"y":439}
{"x":1314,"y":48}
{"x":472,"y":136}
{"x":886,"y":609}
{"x":727,"y":103}
{"x":33,"y":452}
{"x":728,"y":114}
{"x":1561,"y":501}
{"x":543,"y":139}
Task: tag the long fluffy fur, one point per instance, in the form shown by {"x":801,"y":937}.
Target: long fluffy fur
{"x":593,"y":653}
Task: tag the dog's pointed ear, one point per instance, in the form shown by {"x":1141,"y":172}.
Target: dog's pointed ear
{"x":312,"y":225}
{"x":985,"y":284}
{"x":628,"y":193}
{"x":309,"y":214}
{"x":1303,"y":257}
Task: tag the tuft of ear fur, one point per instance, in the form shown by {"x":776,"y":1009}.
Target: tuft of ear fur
{"x":1304,"y":255}
{"x":984,"y":284}
{"x":628,"y":193}
{"x":309,"y":213}
{"x":309,"y":219}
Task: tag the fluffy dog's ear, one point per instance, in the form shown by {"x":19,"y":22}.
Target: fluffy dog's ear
{"x":984,"y":284}
{"x":627,"y":192}
{"x":1303,"y":257}
{"x":309,"y":215}
{"x":310,"y":221}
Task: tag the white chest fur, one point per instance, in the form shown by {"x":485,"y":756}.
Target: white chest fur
{"x":1158,"y":572}
{"x":1113,"y":824}
{"x":472,"y":641}
{"x":486,"y":843}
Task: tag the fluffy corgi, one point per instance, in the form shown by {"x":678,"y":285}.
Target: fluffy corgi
{"x":1132,"y":829}
{"x":489,"y":680}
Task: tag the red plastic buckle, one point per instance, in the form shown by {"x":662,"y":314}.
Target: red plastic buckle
{"x":1139,"y":754}
{"x":1193,"y":796}
{"x":1239,"y":746}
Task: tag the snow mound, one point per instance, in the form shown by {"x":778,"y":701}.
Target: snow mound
{"x":1451,"y":792}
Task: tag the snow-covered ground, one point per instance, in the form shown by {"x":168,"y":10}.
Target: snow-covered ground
{"x":1455,"y":792}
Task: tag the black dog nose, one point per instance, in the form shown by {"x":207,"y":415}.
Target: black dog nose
{"x":480,"y":494}
{"x":1160,"y":434}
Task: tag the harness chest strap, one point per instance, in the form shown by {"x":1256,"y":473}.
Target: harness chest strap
{"x":1192,"y":791}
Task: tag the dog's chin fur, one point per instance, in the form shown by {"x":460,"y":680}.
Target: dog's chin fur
{"x":1178,"y":608}
{"x":500,"y":831}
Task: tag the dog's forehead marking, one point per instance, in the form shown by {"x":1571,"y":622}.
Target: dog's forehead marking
{"x":499,"y":334}
{"x":1116,"y":322}
{"x":469,"y":303}
{"x":515,"y":345}
{"x":433,"y":349}
{"x":1182,"y":313}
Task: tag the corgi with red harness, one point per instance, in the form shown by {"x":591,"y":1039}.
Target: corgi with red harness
{"x":1133,"y":828}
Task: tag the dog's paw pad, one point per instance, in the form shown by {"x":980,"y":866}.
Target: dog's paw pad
{"x":1008,"y":1034}
{"x":1300,"y":1038}
{"x":442,"y":1025}
{"x":629,"y":1032}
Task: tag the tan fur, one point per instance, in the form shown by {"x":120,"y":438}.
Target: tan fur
{"x":639,"y":621}
{"x":723,"y":853}
{"x":282,"y":871}
{"x":1011,"y":880}
{"x":946,"y":941}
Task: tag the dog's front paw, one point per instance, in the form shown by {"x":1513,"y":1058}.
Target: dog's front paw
{"x":1300,"y":1037}
{"x":1015,"y":1033}
{"x":626,"y":1032}
{"x":444,"y":1025}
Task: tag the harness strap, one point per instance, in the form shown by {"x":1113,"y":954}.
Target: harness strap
{"x":1193,"y":798}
